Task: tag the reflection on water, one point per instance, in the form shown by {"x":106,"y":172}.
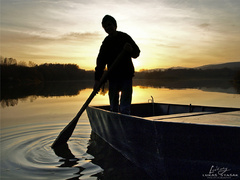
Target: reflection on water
{"x":26,"y":154}
{"x":224,"y":86}
{"x":118,"y":167}
{"x":10,"y":96}
{"x":29,"y":128}
{"x":113,"y":164}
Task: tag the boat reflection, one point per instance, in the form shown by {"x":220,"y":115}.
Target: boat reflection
{"x":113,"y":165}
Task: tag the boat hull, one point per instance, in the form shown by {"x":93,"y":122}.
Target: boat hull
{"x":169,"y":150}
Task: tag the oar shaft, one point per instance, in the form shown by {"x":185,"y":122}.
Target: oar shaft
{"x":66,"y":133}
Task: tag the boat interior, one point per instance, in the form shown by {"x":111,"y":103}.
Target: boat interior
{"x":159,"y":109}
{"x":185,"y":113}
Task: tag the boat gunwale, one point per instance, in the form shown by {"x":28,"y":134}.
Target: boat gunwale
{"x":168,"y":120}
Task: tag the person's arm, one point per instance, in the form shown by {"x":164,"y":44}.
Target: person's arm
{"x":135,"y":52}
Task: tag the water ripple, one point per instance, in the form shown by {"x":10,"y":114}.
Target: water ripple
{"x":27,"y":153}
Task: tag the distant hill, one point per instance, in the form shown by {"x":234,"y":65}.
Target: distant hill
{"x":225,"y":71}
{"x":230,"y":65}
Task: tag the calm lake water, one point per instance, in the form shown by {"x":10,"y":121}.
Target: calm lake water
{"x":31,"y":122}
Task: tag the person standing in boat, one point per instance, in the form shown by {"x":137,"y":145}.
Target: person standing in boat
{"x":120,"y":80}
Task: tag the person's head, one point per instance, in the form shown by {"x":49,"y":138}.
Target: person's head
{"x":109,"y":24}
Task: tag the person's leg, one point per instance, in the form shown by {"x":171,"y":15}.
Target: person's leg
{"x":126,"y":96}
{"x":114,"y":95}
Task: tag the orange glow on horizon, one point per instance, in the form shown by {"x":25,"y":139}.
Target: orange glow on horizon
{"x":168,"y":33}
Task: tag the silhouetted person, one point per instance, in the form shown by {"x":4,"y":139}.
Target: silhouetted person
{"x":120,"y":80}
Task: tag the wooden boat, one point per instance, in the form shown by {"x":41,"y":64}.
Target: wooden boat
{"x":170,"y":141}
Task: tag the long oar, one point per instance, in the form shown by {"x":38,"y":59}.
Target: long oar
{"x":66,"y":133}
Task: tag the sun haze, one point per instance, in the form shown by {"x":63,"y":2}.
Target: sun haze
{"x":168,"y":32}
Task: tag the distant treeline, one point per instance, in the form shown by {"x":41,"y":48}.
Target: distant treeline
{"x":19,"y":74}
{"x":23,"y":73}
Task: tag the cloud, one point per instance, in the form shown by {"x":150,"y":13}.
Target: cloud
{"x":204,"y":25}
{"x":53,"y":28}
{"x":87,"y":36}
{"x":168,"y":46}
{"x":35,"y":47}
{"x":19,"y":37}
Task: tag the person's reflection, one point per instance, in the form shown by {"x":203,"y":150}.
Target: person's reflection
{"x":64,"y":152}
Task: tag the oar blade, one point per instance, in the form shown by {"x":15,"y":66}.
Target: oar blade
{"x":66,"y":133}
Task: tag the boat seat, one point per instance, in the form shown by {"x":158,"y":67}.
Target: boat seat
{"x":170,"y":116}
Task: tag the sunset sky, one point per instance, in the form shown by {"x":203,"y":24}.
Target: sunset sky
{"x":169,"y":33}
